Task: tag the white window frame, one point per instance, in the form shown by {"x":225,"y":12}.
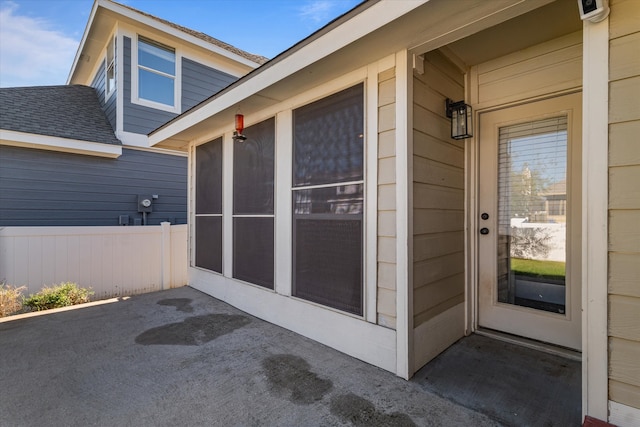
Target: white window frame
{"x":135,"y":83}
{"x":111,"y":45}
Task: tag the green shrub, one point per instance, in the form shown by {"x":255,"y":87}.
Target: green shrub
{"x":10,"y":299}
{"x":62,"y":295}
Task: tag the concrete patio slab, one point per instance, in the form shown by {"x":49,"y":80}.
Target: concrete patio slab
{"x":180,"y":357}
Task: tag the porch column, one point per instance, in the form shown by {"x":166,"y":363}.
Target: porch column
{"x":404,"y":215}
{"x":595,"y":102}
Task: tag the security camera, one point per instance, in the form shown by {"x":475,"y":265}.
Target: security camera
{"x":593,"y":10}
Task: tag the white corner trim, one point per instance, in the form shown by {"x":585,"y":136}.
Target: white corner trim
{"x":120,"y":82}
{"x":404,"y":286}
{"x":623,"y":415}
{"x":595,"y":128}
{"x":52,"y":143}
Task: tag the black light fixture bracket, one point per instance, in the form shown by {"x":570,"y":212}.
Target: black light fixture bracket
{"x":452,"y":105}
{"x":238,"y":136}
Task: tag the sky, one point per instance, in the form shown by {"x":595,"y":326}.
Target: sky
{"x":39,"y":38}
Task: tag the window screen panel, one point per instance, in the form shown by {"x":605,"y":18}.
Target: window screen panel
{"x":209,"y":177}
{"x":342,"y":199}
{"x":209,"y":242}
{"x":253,"y":256}
{"x":328,"y":262}
{"x":328,"y":139}
{"x":253,"y":170}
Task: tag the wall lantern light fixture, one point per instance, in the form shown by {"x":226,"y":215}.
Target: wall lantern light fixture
{"x":461,"y":119}
{"x":237,"y":134}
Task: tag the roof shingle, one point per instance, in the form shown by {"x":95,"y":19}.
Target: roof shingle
{"x":61,"y":111}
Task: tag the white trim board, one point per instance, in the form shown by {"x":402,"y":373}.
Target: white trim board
{"x":65,"y":145}
{"x":404,"y":226}
{"x":595,"y":174}
{"x":623,"y":415}
{"x":356,"y":337}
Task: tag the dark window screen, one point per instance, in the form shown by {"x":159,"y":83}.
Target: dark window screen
{"x":253,"y":250}
{"x":253,"y":170}
{"x":328,"y":262}
{"x":253,"y":177}
{"x":328,"y":149}
{"x":342,"y":199}
{"x":208,"y":233}
{"x":328,"y":137}
{"x":209,"y":242}
{"x":209,"y":177}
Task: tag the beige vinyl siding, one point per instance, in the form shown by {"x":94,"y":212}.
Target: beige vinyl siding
{"x":438,"y":192}
{"x":624,"y":203}
{"x":540,"y":70}
{"x":386,"y":199}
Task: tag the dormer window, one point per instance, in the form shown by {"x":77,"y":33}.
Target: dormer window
{"x":110,"y":80}
{"x":156,"y":73}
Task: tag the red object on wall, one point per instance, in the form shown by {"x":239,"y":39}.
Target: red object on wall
{"x":239,"y":123}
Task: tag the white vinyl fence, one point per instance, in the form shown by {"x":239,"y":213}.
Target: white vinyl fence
{"x":113,"y":261}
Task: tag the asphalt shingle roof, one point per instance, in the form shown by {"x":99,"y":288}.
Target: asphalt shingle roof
{"x":62,"y":111}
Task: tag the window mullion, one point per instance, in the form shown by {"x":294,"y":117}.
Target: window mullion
{"x":153,"y":70}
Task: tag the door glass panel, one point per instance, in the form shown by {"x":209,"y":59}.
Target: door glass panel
{"x":532,"y":214}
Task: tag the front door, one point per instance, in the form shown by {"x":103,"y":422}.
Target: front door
{"x":529,"y":220}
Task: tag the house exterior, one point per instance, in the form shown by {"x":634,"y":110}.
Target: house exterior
{"x":78,"y":155}
{"x":350,"y":215}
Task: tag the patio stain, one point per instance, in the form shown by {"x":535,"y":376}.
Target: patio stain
{"x":291,"y":375}
{"x":181,"y":304}
{"x":362,"y":413}
{"x":195,"y":330}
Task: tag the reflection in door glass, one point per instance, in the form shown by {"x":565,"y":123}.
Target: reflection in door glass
{"x":532,"y":214}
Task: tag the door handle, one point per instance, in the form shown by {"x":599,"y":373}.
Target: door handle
{"x":484,"y":230}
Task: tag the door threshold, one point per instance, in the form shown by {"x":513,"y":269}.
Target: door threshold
{"x":533,"y":344}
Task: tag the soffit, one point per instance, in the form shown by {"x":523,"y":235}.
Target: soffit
{"x":538,"y":26}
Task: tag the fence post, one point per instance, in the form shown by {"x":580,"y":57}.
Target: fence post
{"x":166,"y":254}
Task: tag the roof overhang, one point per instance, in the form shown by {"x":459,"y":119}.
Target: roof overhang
{"x":103,"y":17}
{"x":51,"y":143}
{"x":369,"y":32}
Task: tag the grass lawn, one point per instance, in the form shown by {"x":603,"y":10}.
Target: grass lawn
{"x":535,"y":268}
